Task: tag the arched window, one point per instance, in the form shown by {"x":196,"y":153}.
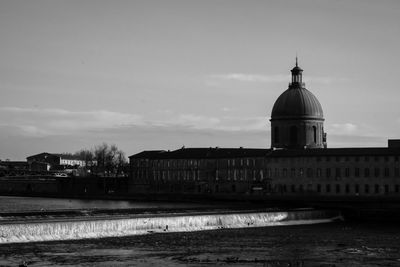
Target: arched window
{"x":276,"y":134}
{"x":315,"y":134}
{"x":293,"y":135}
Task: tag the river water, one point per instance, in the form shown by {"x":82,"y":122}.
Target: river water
{"x":26,"y":204}
{"x":332,"y":244}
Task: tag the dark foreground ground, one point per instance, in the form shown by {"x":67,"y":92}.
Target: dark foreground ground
{"x":334,"y":244}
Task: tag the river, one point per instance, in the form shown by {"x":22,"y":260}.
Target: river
{"x":331,"y":244}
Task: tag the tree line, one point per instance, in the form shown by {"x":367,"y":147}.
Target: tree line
{"x":104,"y":158}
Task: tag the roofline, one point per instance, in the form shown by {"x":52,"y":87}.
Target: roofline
{"x":267,"y":152}
{"x":281,"y":118}
{"x":171,"y":154}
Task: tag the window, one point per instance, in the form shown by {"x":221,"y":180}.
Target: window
{"x":301,"y":172}
{"x":386,"y":189}
{"x":284,"y":172}
{"x":276,"y":134}
{"x":309,"y":172}
{"x":366,"y":172}
{"x":337,"y":188}
{"x":315,"y":134}
{"x":318,"y":172}
{"x":328,"y":188}
{"x":328,"y":172}
{"x":309,"y":187}
{"x":376,"y":189}
{"x":318,"y":188}
{"x":292,"y":172}
{"x":338,"y":173}
{"x":376,"y":172}
{"x":301,"y":189}
{"x":366,"y":189}
{"x":397,"y":188}
{"x":293,"y":135}
{"x":357,"y":172}
{"x":386,"y":172}
{"x":357,"y":189}
{"x":347,"y":172}
{"x":347,"y":188}
{"x":293,"y":188}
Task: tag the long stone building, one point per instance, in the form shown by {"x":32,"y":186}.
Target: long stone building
{"x":298,"y":163}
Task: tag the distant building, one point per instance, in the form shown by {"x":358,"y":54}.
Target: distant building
{"x":54,"y":160}
{"x":298,"y":164}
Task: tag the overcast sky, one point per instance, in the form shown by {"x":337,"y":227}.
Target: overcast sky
{"x":163,"y":74}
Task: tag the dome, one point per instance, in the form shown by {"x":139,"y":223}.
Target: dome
{"x":297,"y":103}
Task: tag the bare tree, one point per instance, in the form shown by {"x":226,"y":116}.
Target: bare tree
{"x":87,"y":156}
{"x":110,"y":160}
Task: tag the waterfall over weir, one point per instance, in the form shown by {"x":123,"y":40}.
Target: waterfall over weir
{"x":67,"y":229}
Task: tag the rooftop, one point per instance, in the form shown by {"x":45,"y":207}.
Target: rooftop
{"x":210,"y":153}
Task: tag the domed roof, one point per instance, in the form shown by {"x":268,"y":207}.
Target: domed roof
{"x":297,"y":102}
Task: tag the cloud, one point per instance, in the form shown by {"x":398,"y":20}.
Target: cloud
{"x":242,"y":77}
{"x":217,"y":79}
{"x":349,"y":134}
{"x":356,"y":141}
{"x":343,"y":128}
{"x":42,"y":122}
{"x":37,"y":122}
{"x":225,"y":123}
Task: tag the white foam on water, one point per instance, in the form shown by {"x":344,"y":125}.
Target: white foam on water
{"x":68,"y":230}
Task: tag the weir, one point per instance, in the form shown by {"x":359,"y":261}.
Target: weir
{"x":51,"y":230}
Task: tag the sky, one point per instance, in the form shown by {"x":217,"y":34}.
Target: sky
{"x":165,"y":74}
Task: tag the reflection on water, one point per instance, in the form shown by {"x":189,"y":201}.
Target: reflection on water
{"x":336,"y":244}
{"x":15,"y":204}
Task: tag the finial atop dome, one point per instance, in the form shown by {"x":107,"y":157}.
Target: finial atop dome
{"x":297,"y":81}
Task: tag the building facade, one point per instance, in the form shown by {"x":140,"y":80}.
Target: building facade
{"x":53,"y":160}
{"x":298,"y":164}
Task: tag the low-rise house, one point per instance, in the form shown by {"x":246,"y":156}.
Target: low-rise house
{"x":55,"y":161}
